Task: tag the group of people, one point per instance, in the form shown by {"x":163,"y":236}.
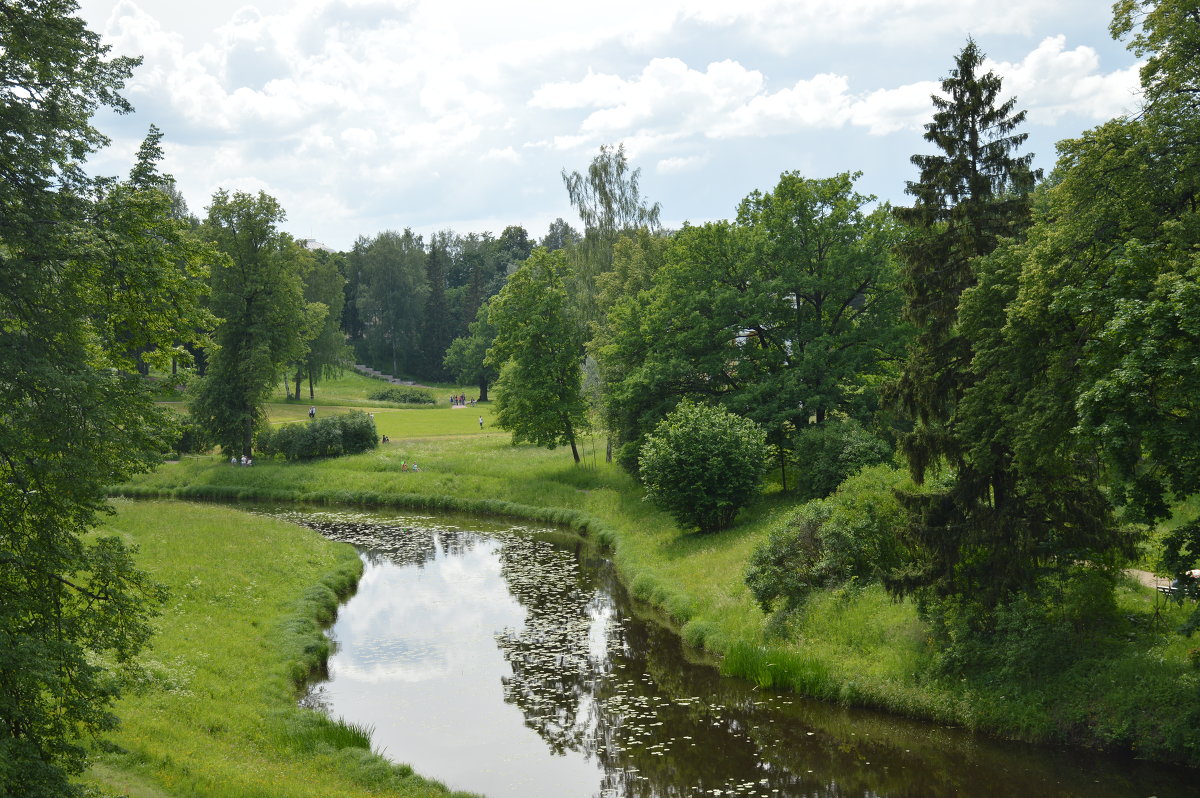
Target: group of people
{"x":460,"y":400}
{"x":246,"y":461}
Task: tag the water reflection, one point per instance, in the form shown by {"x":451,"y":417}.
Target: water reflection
{"x":594,"y":702}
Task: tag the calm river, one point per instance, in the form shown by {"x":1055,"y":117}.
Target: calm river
{"x":514,"y":665}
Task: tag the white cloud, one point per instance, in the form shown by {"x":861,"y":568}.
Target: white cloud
{"x":393,"y":109}
{"x":1052,"y":81}
{"x":506,"y":154}
{"x":674,"y":165}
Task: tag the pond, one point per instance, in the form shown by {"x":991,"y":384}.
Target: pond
{"x":511,"y":662}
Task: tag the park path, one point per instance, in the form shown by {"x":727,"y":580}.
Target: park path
{"x":1146,"y":578}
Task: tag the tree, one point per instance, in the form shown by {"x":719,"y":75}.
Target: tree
{"x":610,"y":204}
{"x":327,"y":352}
{"x":90,"y":273}
{"x":967,"y":197}
{"x":466,"y":358}
{"x":560,"y":235}
{"x":702,"y":464}
{"x":438,"y":327}
{"x":782,"y":317}
{"x":537,"y":349}
{"x":393,"y":287}
{"x":258,"y":294}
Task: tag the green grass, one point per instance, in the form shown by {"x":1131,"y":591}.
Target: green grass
{"x":212,"y":709}
{"x":854,"y":646}
{"x":352,"y":387}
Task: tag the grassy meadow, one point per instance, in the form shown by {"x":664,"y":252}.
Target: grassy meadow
{"x":855,"y":645}
{"x":211,"y":709}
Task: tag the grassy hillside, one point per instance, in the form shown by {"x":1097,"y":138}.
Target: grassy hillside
{"x":211,"y":710}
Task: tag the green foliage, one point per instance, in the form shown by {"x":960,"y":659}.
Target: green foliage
{"x":329,"y":436}
{"x":1033,"y":635}
{"x":785,"y":317}
{"x":96,"y":280}
{"x":404,"y":394}
{"x":391,"y":290}
{"x":257,"y":292}
{"x":538,"y":348}
{"x":826,"y":454}
{"x":191,"y":438}
{"x":852,"y":536}
{"x":702,"y":464}
{"x":466,"y":358}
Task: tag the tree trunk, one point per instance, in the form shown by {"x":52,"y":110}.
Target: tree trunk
{"x":483,"y":389}
{"x":248,"y":439}
{"x":608,"y":450}
{"x":299,"y":376}
{"x":571,"y":437}
{"x":783,"y":469}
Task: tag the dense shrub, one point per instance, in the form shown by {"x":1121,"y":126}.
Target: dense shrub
{"x":331,"y":436}
{"x":702,"y":464}
{"x":404,"y":394}
{"x":851,"y":535}
{"x":827,"y":454}
{"x":1033,"y":635}
{"x":190,"y":438}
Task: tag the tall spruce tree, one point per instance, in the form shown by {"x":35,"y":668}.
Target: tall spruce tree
{"x":969,"y":196}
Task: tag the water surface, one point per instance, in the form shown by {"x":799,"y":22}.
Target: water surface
{"x":510,"y":662}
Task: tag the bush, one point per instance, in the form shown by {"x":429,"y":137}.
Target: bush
{"x":191,"y":438}
{"x":331,"y":436}
{"x":1031,"y":636}
{"x":826,"y":455}
{"x":404,"y":394}
{"x":850,"y":536}
{"x":702,"y":464}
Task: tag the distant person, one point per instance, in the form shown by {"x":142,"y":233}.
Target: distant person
{"x":233,"y":460}
{"x":243,"y":459}
{"x":312,"y":412}
{"x":481,"y":422}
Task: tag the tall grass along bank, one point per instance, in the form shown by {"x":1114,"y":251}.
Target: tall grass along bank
{"x":853,"y":644}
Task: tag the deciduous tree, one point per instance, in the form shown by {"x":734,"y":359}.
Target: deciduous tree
{"x":538,"y":349}
{"x":258,"y":295}
{"x":88,"y":276}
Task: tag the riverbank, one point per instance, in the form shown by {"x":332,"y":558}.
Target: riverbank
{"x":210,"y":710}
{"x":1138,"y":693}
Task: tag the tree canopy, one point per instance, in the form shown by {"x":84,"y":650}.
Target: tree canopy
{"x":93,"y":275}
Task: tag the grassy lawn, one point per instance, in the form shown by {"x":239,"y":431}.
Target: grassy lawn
{"x":854,"y":646}
{"x":212,"y":709}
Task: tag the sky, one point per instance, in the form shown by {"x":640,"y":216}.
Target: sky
{"x":367,"y":115}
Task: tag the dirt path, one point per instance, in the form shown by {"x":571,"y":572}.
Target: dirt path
{"x":1146,"y":578}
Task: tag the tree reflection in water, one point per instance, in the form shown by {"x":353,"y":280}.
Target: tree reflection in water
{"x":592,"y":681}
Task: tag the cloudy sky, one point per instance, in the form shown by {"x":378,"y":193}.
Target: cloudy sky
{"x":366,"y":115}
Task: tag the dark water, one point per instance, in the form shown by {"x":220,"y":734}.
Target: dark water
{"x":514,"y":664}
